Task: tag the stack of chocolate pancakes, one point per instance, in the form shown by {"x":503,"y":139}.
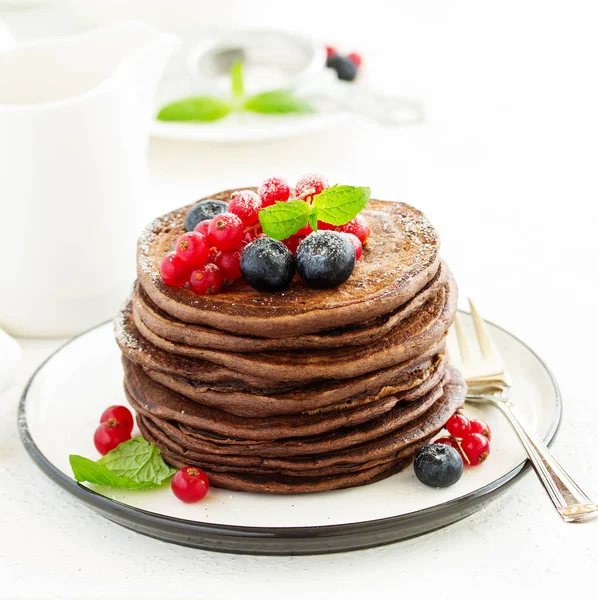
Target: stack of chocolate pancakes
{"x":297,"y":391}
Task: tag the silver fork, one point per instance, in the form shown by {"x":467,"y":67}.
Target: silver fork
{"x":489,"y":383}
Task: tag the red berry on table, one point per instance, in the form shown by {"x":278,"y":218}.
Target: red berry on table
{"x":190,"y":484}
{"x":273,"y":189}
{"x":206,"y":280}
{"x":358,"y":227}
{"x":226,"y":231}
{"x":476,"y":426}
{"x":202,"y":227}
{"x":246,"y":205}
{"x":109,"y":435}
{"x":174,"y":270}
{"x":193,"y":248}
{"x":355,"y":59}
{"x":449,"y":441}
{"x":121,"y":413}
{"x":310,"y":185}
{"x":330,"y":51}
{"x":476,"y":447}
{"x":229,"y":263}
{"x":356,"y":244}
{"x":292,"y":243}
{"x":458,"y":425}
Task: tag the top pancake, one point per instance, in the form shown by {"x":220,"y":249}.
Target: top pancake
{"x":399,"y":259}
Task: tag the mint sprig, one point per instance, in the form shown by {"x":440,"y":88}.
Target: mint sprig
{"x":205,"y":108}
{"x":135,"y":464}
{"x":336,"y":205}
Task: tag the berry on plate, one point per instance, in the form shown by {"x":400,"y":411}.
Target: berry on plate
{"x":330,"y":51}
{"x":458,"y":425}
{"x":438,"y":465}
{"x":476,"y":447}
{"x":358,"y":227}
{"x":449,"y":441}
{"x":205,"y":210}
{"x":311,"y":185}
{"x":206,"y":280}
{"x":345,"y":68}
{"x":110,"y":434}
{"x":173,"y":270}
{"x":190,"y":484}
{"x":273,"y":189}
{"x":121,"y":413}
{"x":246,"y":205}
{"x":193,"y":248}
{"x":477,"y":426}
{"x":226,"y":231}
{"x":325,"y":259}
{"x":267,"y":265}
{"x":229,"y":263}
{"x":356,"y":244}
{"x":355,"y":59}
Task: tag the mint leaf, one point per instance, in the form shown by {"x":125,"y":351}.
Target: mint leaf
{"x":277,"y":102}
{"x":138,"y":460}
{"x":340,"y":204}
{"x":283,"y":219}
{"x":199,"y":109}
{"x":85,"y":469}
{"x":134,"y":464}
{"x":313,"y":218}
{"x":236,"y":77}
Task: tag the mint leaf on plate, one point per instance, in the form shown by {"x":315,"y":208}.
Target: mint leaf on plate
{"x":236,"y":79}
{"x":283,"y":219}
{"x":340,"y":204}
{"x":199,"y":108}
{"x":134,"y":464}
{"x":278,"y":102}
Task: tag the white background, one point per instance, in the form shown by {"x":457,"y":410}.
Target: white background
{"x":505,"y":168}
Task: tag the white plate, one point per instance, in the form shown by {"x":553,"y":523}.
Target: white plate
{"x":85,"y":376}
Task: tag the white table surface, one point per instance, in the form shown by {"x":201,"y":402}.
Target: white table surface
{"x":506,"y":169}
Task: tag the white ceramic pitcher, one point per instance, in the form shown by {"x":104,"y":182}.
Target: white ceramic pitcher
{"x":74,"y":124}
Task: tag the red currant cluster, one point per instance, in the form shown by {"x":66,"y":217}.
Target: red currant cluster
{"x":211,"y":254}
{"x":470,"y":437}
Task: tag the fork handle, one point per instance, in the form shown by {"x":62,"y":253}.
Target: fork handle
{"x":570,"y":501}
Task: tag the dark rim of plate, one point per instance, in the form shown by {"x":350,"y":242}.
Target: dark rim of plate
{"x":148,"y":520}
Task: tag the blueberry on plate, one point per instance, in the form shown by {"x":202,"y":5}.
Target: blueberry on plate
{"x":325,"y":259}
{"x":202,"y":211}
{"x":345,"y":68}
{"x":267,"y":265}
{"x":438,"y":465}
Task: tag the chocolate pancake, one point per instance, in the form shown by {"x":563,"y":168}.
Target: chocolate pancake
{"x":165,"y":327}
{"x":416,"y":334}
{"x":400,"y":258}
{"x":412,"y":379}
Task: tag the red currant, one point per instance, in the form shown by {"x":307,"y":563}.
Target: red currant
{"x":304,"y":231}
{"x":246,"y":205}
{"x":212,"y":256}
{"x":273,"y":189}
{"x":330,"y":51}
{"x":356,"y":244}
{"x":229,"y":262}
{"x":226,"y":231}
{"x":358,"y":227}
{"x":193,"y":248}
{"x":310,"y":185}
{"x":251,"y":234}
{"x":476,"y":447}
{"x":202,"y":227}
{"x":174,"y":271}
{"x":458,"y":425}
{"x":206,"y":280}
{"x":121,"y":413}
{"x":355,"y":59}
{"x":292,"y":243}
{"x":190,"y":484}
{"x":326,"y":226}
{"x":109,"y":435}
{"x":476,"y":426}
{"x":449,"y":441}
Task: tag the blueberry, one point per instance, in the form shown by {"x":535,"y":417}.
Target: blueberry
{"x":438,"y":465}
{"x":345,"y":68}
{"x":325,"y":259}
{"x":267,"y":265}
{"x":202,"y":211}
